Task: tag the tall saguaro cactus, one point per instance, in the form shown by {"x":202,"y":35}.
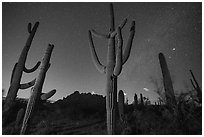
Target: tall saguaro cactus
{"x":196,"y":87}
{"x":36,"y":94}
{"x":116,"y":58}
{"x":17,"y":72}
{"x":169,"y":91}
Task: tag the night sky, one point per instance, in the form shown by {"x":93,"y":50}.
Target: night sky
{"x":172,"y":28}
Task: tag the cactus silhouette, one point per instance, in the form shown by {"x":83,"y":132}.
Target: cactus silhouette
{"x":169,"y":91}
{"x":141,"y":100}
{"x":36,"y":91}
{"x":17,"y":72}
{"x":196,"y":87}
{"x":115,"y":60}
{"x":135,"y":101}
{"x":121,"y":101}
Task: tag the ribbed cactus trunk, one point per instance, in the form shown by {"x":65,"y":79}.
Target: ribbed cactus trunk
{"x":121,"y":101}
{"x":115,"y":59}
{"x":196,"y":87}
{"x":37,"y":89}
{"x":168,"y":86}
{"x":17,"y":74}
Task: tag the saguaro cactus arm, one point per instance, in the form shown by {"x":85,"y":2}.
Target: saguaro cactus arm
{"x":46,"y":96}
{"x":32,"y":69}
{"x":13,"y":71}
{"x":128,"y":47}
{"x":123,"y":23}
{"x":118,"y":65}
{"x":32,"y":32}
{"x":27,"y":85}
{"x":112,"y":21}
{"x":101,"y":68}
{"x":106,"y":36}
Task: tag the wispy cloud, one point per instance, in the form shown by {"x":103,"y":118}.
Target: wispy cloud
{"x":145,"y":89}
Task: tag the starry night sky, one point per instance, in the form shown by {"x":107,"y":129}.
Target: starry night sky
{"x":172,"y":28}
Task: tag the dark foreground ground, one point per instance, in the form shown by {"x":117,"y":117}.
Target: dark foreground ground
{"x":84,"y":114}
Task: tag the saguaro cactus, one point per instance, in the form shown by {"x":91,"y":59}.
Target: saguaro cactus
{"x":196,"y":87}
{"x":141,"y":100}
{"x":135,"y":101}
{"x":36,"y":94}
{"x":17,"y":72}
{"x":121,"y":100}
{"x":169,"y":91}
{"x":115,"y":59}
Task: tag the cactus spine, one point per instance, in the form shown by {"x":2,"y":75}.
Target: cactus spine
{"x":196,"y":87}
{"x":17,"y":74}
{"x":121,"y":101}
{"x":37,"y":89}
{"x":115,"y":59}
{"x":169,"y":91}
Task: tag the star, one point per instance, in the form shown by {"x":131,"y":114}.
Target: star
{"x":148,"y":40}
{"x":173,"y":49}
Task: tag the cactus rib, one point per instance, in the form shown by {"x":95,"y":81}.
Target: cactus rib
{"x":27,"y":85}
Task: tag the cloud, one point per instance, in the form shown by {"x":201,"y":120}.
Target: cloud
{"x":145,"y":89}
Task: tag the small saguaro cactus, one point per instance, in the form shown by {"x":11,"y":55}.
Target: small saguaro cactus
{"x":36,"y":91}
{"x":141,"y":100}
{"x":121,"y":101}
{"x":135,"y":101}
{"x":168,"y":86}
{"x":17,"y":72}
{"x":196,"y":87}
{"x":116,"y":58}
